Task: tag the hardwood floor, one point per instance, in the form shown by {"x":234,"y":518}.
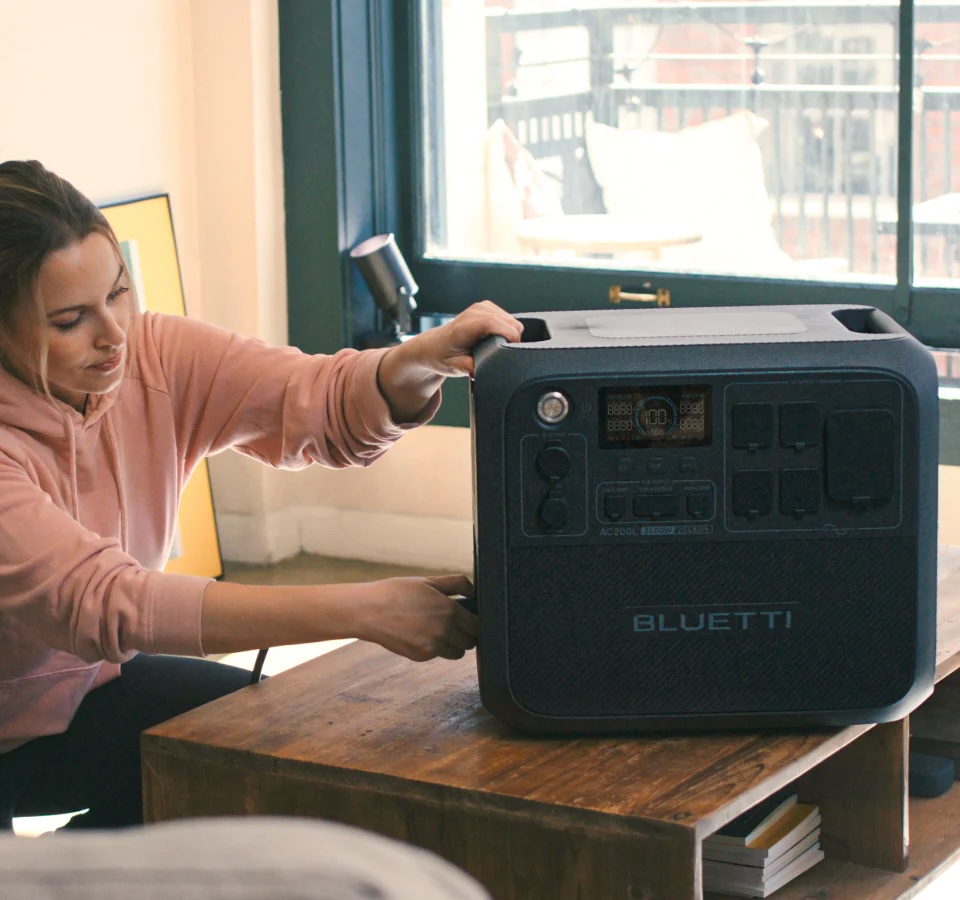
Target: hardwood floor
{"x":306,"y":568}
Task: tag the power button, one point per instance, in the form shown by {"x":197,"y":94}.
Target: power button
{"x":553,"y":407}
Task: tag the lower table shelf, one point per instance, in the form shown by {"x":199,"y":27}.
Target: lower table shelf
{"x":934,"y":845}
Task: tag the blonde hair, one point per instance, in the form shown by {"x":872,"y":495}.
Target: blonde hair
{"x":40,"y":213}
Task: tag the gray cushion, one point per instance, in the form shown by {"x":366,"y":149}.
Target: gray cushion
{"x":256,"y":857}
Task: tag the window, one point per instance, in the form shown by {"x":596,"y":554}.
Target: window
{"x":726,"y":152}
{"x":411,"y":92}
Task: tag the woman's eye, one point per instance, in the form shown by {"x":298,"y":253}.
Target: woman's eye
{"x":114,"y":294}
{"x":69,"y":325}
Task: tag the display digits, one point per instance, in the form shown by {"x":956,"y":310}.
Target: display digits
{"x":655,"y":416}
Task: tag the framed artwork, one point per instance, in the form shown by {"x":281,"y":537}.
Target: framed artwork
{"x":144,"y":228}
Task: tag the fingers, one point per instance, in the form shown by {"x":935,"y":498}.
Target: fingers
{"x":456,"y":645}
{"x":480,"y":321}
{"x":458,"y":585}
{"x":484,"y":319}
{"x":467,"y":622}
{"x":452,"y":585}
{"x":448,"y":350}
{"x":423,"y":620}
{"x":465,"y":637}
{"x":500,"y":322}
{"x":460,"y":634}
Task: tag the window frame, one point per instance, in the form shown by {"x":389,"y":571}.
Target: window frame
{"x":348,"y":79}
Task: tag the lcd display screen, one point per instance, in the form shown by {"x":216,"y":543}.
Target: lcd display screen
{"x":664,"y":416}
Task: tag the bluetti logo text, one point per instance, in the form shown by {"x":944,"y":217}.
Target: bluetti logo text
{"x":700,"y":620}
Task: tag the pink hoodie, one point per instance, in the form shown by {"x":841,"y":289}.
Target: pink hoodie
{"x":88,"y":504}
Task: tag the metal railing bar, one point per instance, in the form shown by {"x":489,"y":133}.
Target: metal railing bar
{"x":875,"y":188}
{"x":806,"y":12}
{"x":847,"y":175}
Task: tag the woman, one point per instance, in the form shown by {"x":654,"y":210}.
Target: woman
{"x":104,"y":414}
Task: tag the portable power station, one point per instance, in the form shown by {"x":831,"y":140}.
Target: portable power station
{"x":705,"y":518}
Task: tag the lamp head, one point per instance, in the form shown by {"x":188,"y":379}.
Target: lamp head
{"x":386,"y":274}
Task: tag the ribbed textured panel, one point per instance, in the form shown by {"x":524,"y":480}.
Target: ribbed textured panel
{"x":852,"y":644}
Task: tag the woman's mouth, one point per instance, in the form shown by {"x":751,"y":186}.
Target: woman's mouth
{"x":108,"y":365}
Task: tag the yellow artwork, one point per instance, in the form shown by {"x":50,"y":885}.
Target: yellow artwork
{"x":144,"y":229}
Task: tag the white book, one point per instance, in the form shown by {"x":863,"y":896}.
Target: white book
{"x":714,"y":871}
{"x":739,"y":856}
{"x":797,"y":867}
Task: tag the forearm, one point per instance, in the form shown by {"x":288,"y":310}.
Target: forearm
{"x":238,"y":617}
{"x":411,"y":373}
{"x":412,"y":616}
{"x":406,"y":385}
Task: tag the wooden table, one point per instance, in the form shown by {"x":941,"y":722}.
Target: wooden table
{"x":366,"y":738}
{"x":606,"y":234}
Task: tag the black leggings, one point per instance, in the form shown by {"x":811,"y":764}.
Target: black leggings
{"x":95,"y":763}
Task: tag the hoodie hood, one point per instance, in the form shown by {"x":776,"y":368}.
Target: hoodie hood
{"x":74,"y":437}
{"x":24,"y":408}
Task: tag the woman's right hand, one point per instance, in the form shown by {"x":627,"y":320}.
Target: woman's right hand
{"x":416,"y":617}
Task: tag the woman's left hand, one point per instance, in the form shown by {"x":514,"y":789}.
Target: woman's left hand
{"x":412,"y":372}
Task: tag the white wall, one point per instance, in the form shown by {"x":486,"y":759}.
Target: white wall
{"x":132,"y":97}
{"x":101,"y":92}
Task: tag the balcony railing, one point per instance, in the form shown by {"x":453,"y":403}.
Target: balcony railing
{"x":830,"y":159}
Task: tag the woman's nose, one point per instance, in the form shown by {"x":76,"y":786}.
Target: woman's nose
{"x":112,"y":332}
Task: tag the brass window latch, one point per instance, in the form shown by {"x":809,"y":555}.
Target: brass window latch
{"x":661,"y":296}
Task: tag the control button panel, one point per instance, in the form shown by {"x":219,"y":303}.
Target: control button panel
{"x":808,"y":455}
{"x":790,"y":453}
{"x":637,"y":501}
{"x":553,"y":479}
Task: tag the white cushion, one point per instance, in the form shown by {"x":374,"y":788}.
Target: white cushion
{"x":709,"y":174}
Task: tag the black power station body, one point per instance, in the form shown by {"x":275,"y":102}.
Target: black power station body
{"x":705,"y":518}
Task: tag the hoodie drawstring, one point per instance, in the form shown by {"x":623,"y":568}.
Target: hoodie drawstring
{"x":72,"y":450}
{"x":113,"y":456}
{"x":114,"y":449}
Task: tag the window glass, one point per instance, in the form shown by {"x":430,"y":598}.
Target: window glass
{"x":723,"y":138}
{"x":936,"y":145}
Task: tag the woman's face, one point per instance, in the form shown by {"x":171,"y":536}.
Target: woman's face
{"x":84,"y":290}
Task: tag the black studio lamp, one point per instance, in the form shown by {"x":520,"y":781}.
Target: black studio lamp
{"x":386,"y":275}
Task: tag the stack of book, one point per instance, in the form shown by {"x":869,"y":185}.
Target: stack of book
{"x":764,"y":849}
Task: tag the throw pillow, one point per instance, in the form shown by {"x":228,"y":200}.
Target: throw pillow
{"x":709,"y":175}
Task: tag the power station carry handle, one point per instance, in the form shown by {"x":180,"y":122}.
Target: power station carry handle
{"x":881,"y":323}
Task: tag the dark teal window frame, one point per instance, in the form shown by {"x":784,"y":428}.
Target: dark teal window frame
{"x":351,"y":114}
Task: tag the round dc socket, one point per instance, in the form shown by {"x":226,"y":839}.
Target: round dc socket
{"x":553,"y":407}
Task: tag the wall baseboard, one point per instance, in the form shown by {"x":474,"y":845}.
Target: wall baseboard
{"x":418,"y":541}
